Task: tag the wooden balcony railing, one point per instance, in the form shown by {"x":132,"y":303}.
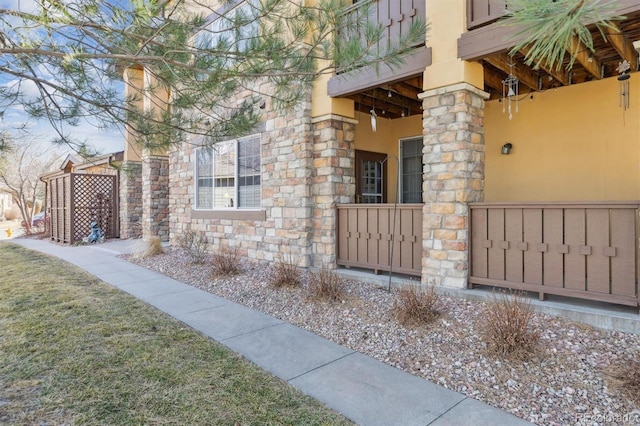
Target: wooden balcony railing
{"x":482,"y":12}
{"x":582,"y":250}
{"x":365,"y":233}
{"x":396,"y":16}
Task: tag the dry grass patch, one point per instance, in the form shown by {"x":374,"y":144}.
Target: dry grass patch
{"x":225,"y":262}
{"x":74,"y":350}
{"x":625,"y":378}
{"x":147,"y":247}
{"x":508,"y":328}
{"x":325,"y":284}
{"x":416,"y":305}
{"x":285,"y":272}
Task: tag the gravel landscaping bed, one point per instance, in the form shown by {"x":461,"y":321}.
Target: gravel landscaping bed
{"x":568,"y":381}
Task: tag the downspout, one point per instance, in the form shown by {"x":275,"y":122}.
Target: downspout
{"x":117,"y":193}
{"x":47,"y":215}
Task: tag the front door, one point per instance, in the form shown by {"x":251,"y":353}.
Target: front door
{"x":371,"y":177}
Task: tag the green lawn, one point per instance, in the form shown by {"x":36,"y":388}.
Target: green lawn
{"x":74,"y":350}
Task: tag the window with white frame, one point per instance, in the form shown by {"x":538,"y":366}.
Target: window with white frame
{"x":411,"y":169}
{"x":232,"y":31}
{"x":228,"y":175}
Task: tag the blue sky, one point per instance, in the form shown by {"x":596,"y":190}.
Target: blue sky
{"x":104,"y":140}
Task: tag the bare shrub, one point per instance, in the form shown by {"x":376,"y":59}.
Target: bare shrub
{"x":11,"y":214}
{"x":147,"y":247}
{"x":625,"y":378}
{"x":508,"y":328}
{"x":196,"y":244}
{"x":225,"y":262}
{"x":415,"y":305}
{"x":325,"y":284}
{"x":285,"y":272}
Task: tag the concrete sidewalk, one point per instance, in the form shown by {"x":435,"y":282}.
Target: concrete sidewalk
{"x":367,"y":391}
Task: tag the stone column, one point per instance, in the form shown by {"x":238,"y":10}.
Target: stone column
{"x":130,"y":199}
{"x":155,"y":196}
{"x":454,"y":176}
{"x":333,"y":182}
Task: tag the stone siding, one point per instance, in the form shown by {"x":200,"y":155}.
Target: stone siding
{"x":333,"y":182}
{"x":131,"y":199}
{"x":287,"y":173}
{"x":155,"y":200}
{"x":453,"y":176}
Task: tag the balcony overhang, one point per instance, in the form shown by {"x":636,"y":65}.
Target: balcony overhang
{"x":353,"y":82}
{"x":491,"y":43}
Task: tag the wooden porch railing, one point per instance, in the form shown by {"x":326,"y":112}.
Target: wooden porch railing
{"x":482,"y":12}
{"x":583,"y":250}
{"x":364,"y":235}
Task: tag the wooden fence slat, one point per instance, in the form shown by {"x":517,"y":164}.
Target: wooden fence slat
{"x":514,"y":267}
{"x":362,"y":252}
{"x":385,"y":242}
{"x":553,"y":224}
{"x":373,"y":241}
{"x":574,"y":262}
{"x":597,"y":228}
{"x":406,"y":243}
{"x":417,"y":245}
{"x":352,"y":224}
{"x":623,"y":264}
{"x":342,"y":229}
{"x":532,"y":219}
{"x":496,"y":235}
{"x":479,"y":262}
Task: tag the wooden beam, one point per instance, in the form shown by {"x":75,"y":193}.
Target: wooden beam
{"x":524,"y":74}
{"x":585,"y":58}
{"x":623,"y":45}
{"x":405,"y":90}
{"x":401,"y":101}
{"x":492,"y":80}
{"x":561,"y":76}
{"x":391,"y":111}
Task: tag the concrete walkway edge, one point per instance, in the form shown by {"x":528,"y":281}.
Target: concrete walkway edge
{"x":365,"y":390}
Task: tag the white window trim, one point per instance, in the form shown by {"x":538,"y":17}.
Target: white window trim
{"x":236,"y":179}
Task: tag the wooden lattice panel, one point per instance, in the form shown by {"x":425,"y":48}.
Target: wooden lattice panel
{"x":94,"y":200}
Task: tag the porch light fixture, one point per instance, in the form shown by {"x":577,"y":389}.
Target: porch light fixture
{"x":623,"y":84}
{"x":374,"y":118}
{"x":510,"y":89}
{"x":506,"y":148}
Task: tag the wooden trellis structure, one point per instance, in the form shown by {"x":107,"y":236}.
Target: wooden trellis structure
{"x":76,"y":200}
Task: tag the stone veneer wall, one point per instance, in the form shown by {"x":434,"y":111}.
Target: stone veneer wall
{"x":287,"y":160}
{"x":155,"y":199}
{"x":333,"y":182}
{"x":130,"y":199}
{"x":454,"y":176}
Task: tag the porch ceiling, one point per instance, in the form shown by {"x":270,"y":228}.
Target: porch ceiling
{"x":609,"y":53}
{"x":490,"y":46}
{"x":392,"y":100}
